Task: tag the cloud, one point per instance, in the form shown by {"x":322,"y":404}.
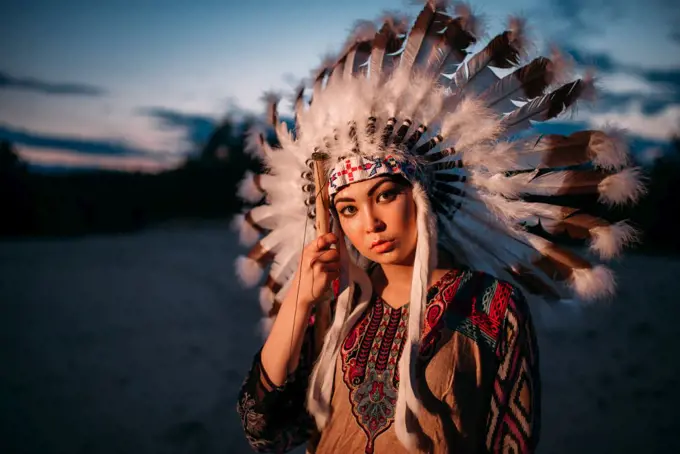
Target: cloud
{"x":660,"y":126}
{"x":8,"y":81}
{"x":54,"y":158}
{"x":102,"y":147}
{"x":617,"y":90}
{"x":621,"y":85}
{"x":195,"y":128}
{"x":599,"y":60}
{"x":46,"y":151}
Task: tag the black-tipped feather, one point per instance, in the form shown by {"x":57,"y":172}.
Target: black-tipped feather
{"x":524,"y":84}
{"x":500,"y":53}
{"x":543,"y":108}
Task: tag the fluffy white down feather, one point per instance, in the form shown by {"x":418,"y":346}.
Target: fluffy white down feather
{"x":608,"y":241}
{"x":248,"y":190}
{"x":622,"y":187}
{"x":248,"y":271}
{"x":593,"y":283}
{"x":609,"y":149}
{"x":247,"y":235}
{"x":266,"y":299}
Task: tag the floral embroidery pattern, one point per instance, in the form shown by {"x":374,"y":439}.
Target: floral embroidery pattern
{"x":370,"y":358}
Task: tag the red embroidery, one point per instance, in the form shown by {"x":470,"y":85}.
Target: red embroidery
{"x":370,"y":358}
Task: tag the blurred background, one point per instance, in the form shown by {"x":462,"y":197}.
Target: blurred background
{"x":122,"y":326}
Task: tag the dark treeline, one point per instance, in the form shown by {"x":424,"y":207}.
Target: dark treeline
{"x":76,"y":203}
{"x":81,"y":202}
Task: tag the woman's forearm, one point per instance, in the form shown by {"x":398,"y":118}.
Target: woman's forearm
{"x":281,"y":351}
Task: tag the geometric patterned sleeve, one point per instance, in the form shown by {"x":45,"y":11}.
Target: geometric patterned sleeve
{"x":275,"y":419}
{"x":513,"y":424}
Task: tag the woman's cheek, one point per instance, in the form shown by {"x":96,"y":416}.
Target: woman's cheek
{"x":349,"y":226}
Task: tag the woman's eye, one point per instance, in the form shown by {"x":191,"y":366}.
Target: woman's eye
{"x":348,"y":210}
{"x":387,"y":195}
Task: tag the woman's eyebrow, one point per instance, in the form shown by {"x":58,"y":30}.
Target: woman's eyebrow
{"x":369,"y":193}
{"x":377,"y":185}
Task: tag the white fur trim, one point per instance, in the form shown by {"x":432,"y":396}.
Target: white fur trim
{"x":424,"y":262}
{"x":322,"y":376}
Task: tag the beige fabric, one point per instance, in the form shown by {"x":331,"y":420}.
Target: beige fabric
{"x":455,"y":405}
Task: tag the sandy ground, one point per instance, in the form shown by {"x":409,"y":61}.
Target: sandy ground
{"x":138,"y":344}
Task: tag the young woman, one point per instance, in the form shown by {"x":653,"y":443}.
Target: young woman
{"x":432,"y":187}
{"x":478,"y":366}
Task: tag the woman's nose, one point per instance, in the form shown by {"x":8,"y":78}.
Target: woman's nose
{"x":373,"y":223}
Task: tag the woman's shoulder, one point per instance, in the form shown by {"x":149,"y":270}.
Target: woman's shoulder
{"x":463,"y":283}
{"x":478,"y":303}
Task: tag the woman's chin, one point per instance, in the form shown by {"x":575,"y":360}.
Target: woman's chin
{"x":392,"y":257}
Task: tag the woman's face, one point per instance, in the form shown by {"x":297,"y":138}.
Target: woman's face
{"x":379,"y":218}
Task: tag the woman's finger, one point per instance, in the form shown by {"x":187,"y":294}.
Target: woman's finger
{"x":330,"y":267}
{"x":328,"y":256}
{"x":324,"y":242}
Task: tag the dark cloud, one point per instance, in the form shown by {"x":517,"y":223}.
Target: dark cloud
{"x":666,"y":82}
{"x":85,"y":146}
{"x":667,"y":77}
{"x":599,"y":60}
{"x":8,"y":81}
{"x":650,"y":105}
{"x":197,"y":128}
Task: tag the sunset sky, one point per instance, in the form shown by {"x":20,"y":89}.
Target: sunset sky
{"x":138,"y":85}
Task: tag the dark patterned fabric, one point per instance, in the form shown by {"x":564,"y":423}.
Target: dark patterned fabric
{"x":515,"y":411}
{"x":275,"y":420}
{"x":492,"y":314}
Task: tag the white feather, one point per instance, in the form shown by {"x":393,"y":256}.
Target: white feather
{"x":265,"y":216}
{"x":495,"y":184}
{"x":265,"y":326}
{"x":609,"y":150}
{"x":248,"y":190}
{"x":248,"y":271}
{"x":247,"y":235}
{"x":593,"y":283}
{"x":470,"y":124}
{"x":608,"y":241}
{"x":255,"y":144}
{"x":266,"y":299}
{"x":622,"y":187}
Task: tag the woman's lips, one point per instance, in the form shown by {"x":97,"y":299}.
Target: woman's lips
{"x":383,"y":246}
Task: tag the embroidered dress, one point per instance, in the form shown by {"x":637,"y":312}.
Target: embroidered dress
{"x":478,"y":379}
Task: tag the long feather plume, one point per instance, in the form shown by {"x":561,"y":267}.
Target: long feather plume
{"x":546,"y":107}
{"x":522,"y":85}
{"x":417,"y":36}
{"x":503,"y":51}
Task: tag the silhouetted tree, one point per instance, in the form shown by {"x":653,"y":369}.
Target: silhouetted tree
{"x":15,"y":197}
{"x":10,"y":162}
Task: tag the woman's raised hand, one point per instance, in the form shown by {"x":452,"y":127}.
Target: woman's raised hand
{"x":318,"y":268}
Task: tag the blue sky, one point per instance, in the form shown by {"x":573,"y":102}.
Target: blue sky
{"x":138,"y":84}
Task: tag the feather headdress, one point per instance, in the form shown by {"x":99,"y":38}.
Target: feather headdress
{"x":416,"y":96}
